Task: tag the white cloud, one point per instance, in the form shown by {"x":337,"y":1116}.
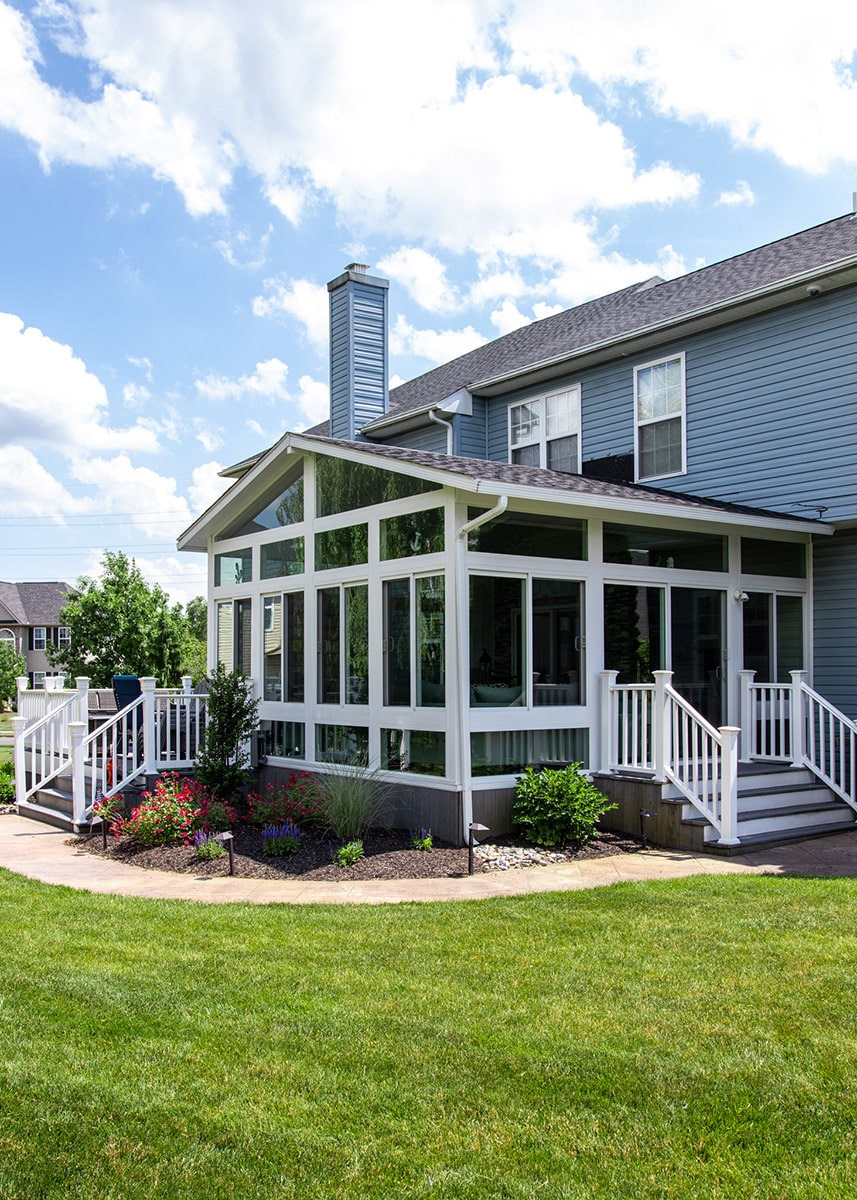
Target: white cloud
{"x":143,"y":363}
{"x":267,"y":382}
{"x":207,"y":486}
{"x":210,"y":439}
{"x":158,"y":511}
{"x":423,"y":276}
{"x":48,"y":397}
{"x":241,"y":251}
{"x":436,"y":345}
{"x":29,"y":490}
{"x":742,"y":193}
{"x":182,"y":577}
{"x":508,"y":317}
{"x":136,"y":395}
{"x":314,"y":400}
{"x":302,"y":299}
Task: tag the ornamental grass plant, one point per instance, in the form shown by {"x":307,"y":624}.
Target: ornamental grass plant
{"x":352,"y":800}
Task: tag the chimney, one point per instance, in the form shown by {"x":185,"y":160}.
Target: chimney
{"x":358,"y":350}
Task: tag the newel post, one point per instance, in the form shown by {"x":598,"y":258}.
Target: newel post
{"x":746,"y":715}
{"x":147,"y":687}
{"x":797,"y":723}
{"x":608,"y":728}
{"x":77,"y":732}
{"x":661,"y":755}
{"x":81,"y":686}
{"x":19,"y":724}
{"x":729,"y":735}
{"x":187,"y":685}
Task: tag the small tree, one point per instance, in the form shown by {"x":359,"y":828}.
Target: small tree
{"x":231,"y":716}
{"x":12,"y":664}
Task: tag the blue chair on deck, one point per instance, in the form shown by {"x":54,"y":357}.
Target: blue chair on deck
{"x":126,"y":689}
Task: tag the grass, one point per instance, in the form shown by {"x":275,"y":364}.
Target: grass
{"x":671,"y":1040}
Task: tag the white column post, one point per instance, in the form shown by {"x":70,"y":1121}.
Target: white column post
{"x":19,"y":724}
{"x":22,"y":682}
{"x":147,"y":687}
{"x":661,"y":732}
{"x":187,"y":684}
{"x":81,"y":685}
{"x":77,"y":732}
{"x":608,"y":725}
{"x":746,"y":715}
{"x":729,"y":785}
{"x":797,"y":724}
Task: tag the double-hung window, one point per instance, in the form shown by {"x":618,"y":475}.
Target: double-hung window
{"x":545,"y":431}
{"x":659,"y":412}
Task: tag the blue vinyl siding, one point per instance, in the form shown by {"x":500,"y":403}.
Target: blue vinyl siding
{"x":431,"y":438}
{"x":834,"y":627}
{"x":470,"y":432}
{"x":358,"y":357}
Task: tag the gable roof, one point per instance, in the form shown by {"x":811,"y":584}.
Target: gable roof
{"x":488,"y":478}
{"x":34,"y":603}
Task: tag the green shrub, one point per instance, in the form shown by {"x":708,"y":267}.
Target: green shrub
{"x":352,"y":801}
{"x":223,"y":762}
{"x":558,"y":807}
{"x":7,"y":783}
{"x":296,"y":800}
{"x":349,"y":854}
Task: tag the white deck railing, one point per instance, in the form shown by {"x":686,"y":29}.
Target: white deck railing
{"x":652,"y":728}
{"x":160,"y":730}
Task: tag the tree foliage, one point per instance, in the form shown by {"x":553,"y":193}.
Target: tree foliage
{"x":120,"y":625}
{"x":194,"y":659}
{"x":230,"y":721}
{"x":12,"y":664}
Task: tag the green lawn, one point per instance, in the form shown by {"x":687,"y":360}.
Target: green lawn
{"x":688,"y":1039}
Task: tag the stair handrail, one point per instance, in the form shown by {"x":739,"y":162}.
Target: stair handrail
{"x":117,"y":753}
{"x":828,"y":744}
{"x":698,"y":759}
{"x":48,"y":741}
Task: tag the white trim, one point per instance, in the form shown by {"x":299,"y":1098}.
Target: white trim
{"x":539,"y":402}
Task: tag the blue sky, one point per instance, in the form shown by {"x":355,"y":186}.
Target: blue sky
{"x":182,"y":177}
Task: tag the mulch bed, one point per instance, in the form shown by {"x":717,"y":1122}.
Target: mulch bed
{"x":388,"y":855}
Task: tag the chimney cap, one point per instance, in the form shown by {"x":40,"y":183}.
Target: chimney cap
{"x":360,"y":268}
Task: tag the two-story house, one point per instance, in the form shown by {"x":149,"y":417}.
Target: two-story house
{"x":490,"y":566}
{"x":29,"y":622}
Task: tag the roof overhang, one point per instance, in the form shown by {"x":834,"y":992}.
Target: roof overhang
{"x":805,"y":286}
{"x":635,"y":503}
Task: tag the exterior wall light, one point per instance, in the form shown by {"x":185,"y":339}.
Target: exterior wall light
{"x":473,"y":828}
{"x":740,"y":596}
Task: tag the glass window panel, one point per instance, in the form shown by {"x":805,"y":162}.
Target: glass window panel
{"x":634,"y":631}
{"x":342,"y":744}
{"x":397,"y":638}
{"x":412,"y":533}
{"x":659,"y":390}
{"x":496,"y":641}
{"x":789,"y":637}
{"x":225,"y":628}
{"x":670,"y":548}
{"x":758,"y":634}
{"x":282,"y":558}
{"x":431,"y":642}
{"x":243,"y":635}
{"x":272,"y":648}
{"x":40,"y":638}
{"x":527,"y":456}
{"x":525,"y":421}
{"x":660,"y":449}
{"x":294,"y":603}
{"x":560,"y":414}
{"x":342,"y":486}
{"x":529,"y":536}
{"x":282,"y":739}
{"x":562,"y":455}
{"x":283,"y":506}
{"x":234,"y":567}
{"x":329,"y":646}
{"x":508,"y":752}
{"x":760,"y":556}
{"x":557,"y":642}
{"x":344,"y":547}
{"x":357,"y":644}
{"x":420,"y":750}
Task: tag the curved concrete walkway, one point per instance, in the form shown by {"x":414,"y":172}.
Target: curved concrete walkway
{"x":41,"y":852}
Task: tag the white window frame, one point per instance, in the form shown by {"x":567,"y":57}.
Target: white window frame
{"x":63,"y":636}
{"x":540,"y":438}
{"x":40,"y":629}
{"x":681,"y":415}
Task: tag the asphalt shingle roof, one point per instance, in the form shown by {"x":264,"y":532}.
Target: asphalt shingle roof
{"x":34,"y":603}
{"x":540,"y":477}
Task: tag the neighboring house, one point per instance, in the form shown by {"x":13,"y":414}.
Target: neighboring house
{"x":29,"y":620}
{"x":662,"y":479}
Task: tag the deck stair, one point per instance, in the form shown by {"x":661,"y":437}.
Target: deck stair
{"x":777,"y":803}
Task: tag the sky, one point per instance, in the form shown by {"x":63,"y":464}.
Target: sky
{"x":181,"y":178}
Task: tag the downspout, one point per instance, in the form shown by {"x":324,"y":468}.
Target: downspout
{"x":463,"y":656}
{"x":447,"y":425}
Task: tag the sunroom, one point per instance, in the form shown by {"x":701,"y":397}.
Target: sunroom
{"x":449,"y":621}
